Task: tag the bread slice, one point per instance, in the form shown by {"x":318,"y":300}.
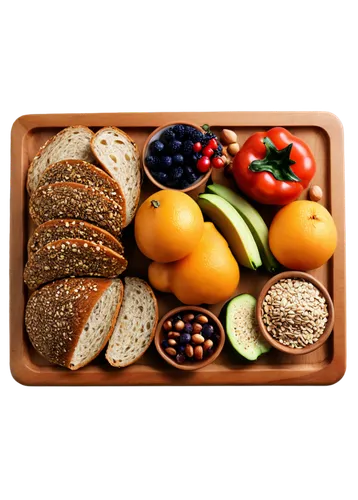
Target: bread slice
{"x":72,"y":257}
{"x":119,"y":156}
{"x":75,"y":201}
{"x":135,"y":326}
{"x":60,"y":229}
{"x":82,"y":172}
{"x":69,"y":143}
{"x":69,"y":321}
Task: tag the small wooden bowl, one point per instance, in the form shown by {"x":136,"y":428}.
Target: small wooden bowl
{"x":194,"y":365}
{"x":155,"y":135}
{"x":325,"y":294}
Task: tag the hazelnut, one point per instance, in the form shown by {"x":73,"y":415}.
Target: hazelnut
{"x":197,"y":338}
{"x":202,"y":319}
{"x":197,"y":327}
{"x":179,"y":325}
{"x":173,"y":335}
{"x":172,"y":342}
{"x":315,"y":193}
{"x":188,"y":317}
{"x":233,"y":149}
{"x":208,"y":344}
{"x":224,"y":159}
{"x":189,"y":350}
{"x":167,"y":325}
{"x":228,"y":136}
{"x":198,"y":352}
{"x":171,"y":351}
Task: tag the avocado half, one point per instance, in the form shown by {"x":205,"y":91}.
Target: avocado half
{"x":242,"y":329}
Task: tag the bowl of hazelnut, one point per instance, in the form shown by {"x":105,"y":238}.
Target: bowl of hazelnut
{"x":189,"y":337}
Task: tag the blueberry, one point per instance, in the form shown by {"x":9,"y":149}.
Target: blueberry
{"x":185,"y":338}
{"x":156,"y":147}
{"x":168,"y":135}
{"x":195,"y":157}
{"x":179,"y":131}
{"x":175,"y":147}
{"x":166,"y":162}
{"x":180,"y":358}
{"x":184,"y":184}
{"x":207,"y":331}
{"x":188,"y":328}
{"x":181,"y":348}
{"x":176,"y":174}
{"x":209,"y":352}
{"x":178,"y":160}
{"x":153,"y":162}
{"x":161,"y":177}
{"x":188,"y":148}
{"x":196,"y":136}
{"x":188,"y":131}
{"x":165,"y":344}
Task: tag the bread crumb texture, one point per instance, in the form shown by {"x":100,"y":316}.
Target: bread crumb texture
{"x":135,"y":325}
{"x":75,"y":201}
{"x":57,"y":313}
{"x":72,"y":257}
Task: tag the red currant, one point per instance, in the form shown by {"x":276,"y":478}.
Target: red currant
{"x":213,"y":144}
{"x":197,"y":147}
{"x":208,"y":151}
{"x":217,"y":162}
{"x":203,"y":164}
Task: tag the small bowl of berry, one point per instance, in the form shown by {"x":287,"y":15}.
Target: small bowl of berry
{"x":181,"y":155}
{"x":189,"y":337}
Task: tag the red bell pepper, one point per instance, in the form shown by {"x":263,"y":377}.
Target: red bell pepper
{"x":274,"y":167}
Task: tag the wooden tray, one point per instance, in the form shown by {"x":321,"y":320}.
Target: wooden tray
{"x":322,"y":131}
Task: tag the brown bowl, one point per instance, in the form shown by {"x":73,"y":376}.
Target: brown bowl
{"x":154,"y":135}
{"x":195,"y":365}
{"x":325,"y":294}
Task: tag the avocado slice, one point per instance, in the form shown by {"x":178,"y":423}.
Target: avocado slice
{"x":253,"y":219}
{"x":242,"y":329}
{"x":233,"y":228}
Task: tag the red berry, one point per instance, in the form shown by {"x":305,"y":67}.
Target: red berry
{"x":208,"y":151}
{"x":217,"y":162}
{"x":203,"y":164}
{"x":213,"y":144}
{"x":197,"y":147}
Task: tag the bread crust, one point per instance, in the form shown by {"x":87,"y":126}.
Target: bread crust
{"x":75,"y":201}
{"x":57,"y":313}
{"x":43,"y":148}
{"x":58,"y":229}
{"x":151,"y":335}
{"x":72,"y":257}
{"x":121,"y":132}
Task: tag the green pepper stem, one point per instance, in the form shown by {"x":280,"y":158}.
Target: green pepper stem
{"x":276,"y":161}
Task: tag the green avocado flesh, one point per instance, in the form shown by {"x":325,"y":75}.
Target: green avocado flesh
{"x":253,"y":219}
{"x":242,"y":329}
{"x":234,"y":229}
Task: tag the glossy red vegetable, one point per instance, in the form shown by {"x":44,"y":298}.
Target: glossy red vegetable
{"x":274,"y":167}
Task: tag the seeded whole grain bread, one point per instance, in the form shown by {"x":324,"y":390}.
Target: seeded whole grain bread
{"x":59,"y":229}
{"x":135,"y":326}
{"x":69,"y":143}
{"x":119,"y":156}
{"x":69,"y":321}
{"x":71,"y":200}
{"x":72,"y":257}
{"x":82,"y":172}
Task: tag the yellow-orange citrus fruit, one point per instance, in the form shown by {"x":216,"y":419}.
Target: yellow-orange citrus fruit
{"x":168,"y":226}
{"x":303,"y":235}
{"x":208,"y":275}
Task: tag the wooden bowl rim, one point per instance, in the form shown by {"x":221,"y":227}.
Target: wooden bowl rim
{"x":190,"y":188}
{"x":197,"y":364}
{"x":324,"y":292}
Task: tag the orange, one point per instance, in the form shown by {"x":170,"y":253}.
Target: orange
{"x":303,"y":235}
{"x":208,"y":275}
{"x":168,"y":226}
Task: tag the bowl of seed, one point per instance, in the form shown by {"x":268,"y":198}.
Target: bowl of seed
{"x":295,"y":312}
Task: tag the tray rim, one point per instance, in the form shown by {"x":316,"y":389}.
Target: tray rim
{"x":325,"y":373}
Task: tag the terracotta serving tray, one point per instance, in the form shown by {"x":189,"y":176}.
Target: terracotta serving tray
{"x":322,"y":131}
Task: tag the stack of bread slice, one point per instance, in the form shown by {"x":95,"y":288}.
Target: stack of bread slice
{"x":84,"y":189}
{"x":79,"y":208}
